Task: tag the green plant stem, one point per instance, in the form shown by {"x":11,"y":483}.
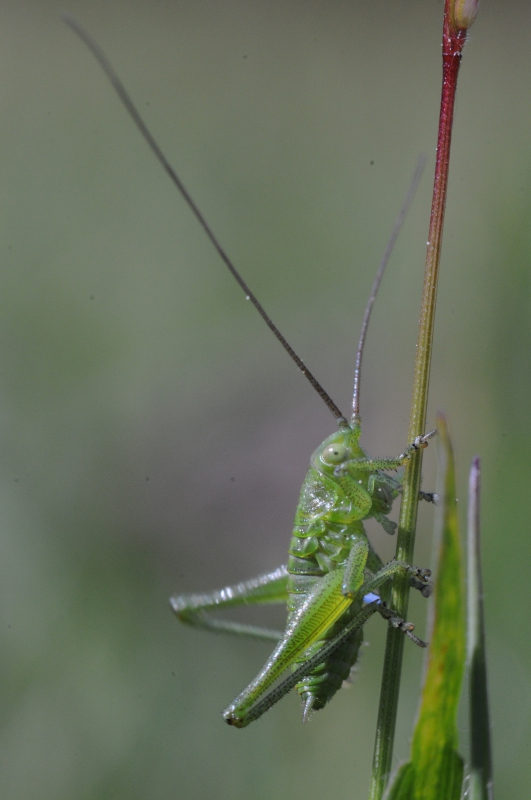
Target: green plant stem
{"x":453,"y":42}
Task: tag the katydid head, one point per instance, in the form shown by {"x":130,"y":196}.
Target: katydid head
{"x":337,"y":449}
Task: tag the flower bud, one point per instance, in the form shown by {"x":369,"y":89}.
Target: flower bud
{"x":464,"y":13}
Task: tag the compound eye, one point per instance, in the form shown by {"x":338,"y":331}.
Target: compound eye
{"x":335,"y":454}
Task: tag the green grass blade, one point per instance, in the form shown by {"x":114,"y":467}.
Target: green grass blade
{"x":480,"y":784}
{"x":407,"y":784}
{"x":403,"y":784}
{"x":435,"y":771}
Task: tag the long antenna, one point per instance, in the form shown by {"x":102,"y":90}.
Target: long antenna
{"x":142,"y":127}
{"x":421,"y":163}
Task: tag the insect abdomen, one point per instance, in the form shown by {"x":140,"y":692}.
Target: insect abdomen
{"x":314,"y":551}
{"x":322,"y":682}
{"x":325,"y":680}
{"x":327,"y":524}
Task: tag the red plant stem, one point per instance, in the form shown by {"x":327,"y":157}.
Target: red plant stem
{"x":453,"y":43}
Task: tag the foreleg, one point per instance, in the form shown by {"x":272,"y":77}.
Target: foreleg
{"x":355,"y":465}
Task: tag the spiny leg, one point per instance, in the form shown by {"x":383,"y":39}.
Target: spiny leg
{"x":276,"y":694}
{"x":322,"y":607}
{"x":371,"y":464}
{"x":418,"y":577}
{"x":387,"y":524}
{"x":380,"y":478}
{"x":367,"y":611}
{"x":385,"y":481}
{"x":383,"y":489}
{"x":269,"y":588}
{"x":397,"y":622}
{"x":265,"y":703}
{"x":362,"y":555}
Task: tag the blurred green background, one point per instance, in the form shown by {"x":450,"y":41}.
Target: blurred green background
{"x":154,"y":436}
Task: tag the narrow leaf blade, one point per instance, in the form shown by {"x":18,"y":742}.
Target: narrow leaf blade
{"x":480,"y":782}
{"x":435,"y":771}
